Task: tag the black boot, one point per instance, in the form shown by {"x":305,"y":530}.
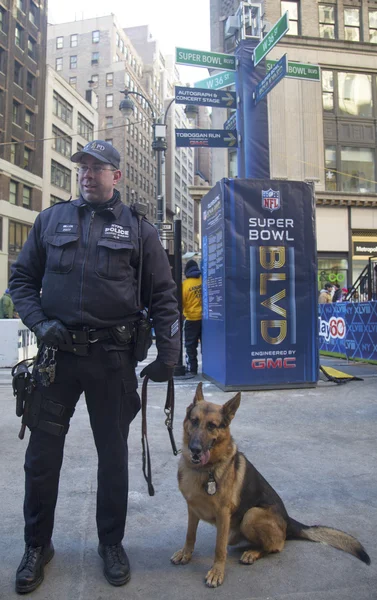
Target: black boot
{"x":30,"y":573}
{"x":117,"y":566}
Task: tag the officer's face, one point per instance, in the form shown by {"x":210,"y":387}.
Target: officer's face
{"x":98,"y":181}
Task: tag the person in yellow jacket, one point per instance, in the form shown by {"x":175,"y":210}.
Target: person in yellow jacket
{"x":192,"y":311}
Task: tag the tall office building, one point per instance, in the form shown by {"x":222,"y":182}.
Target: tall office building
{"x":98,"y":54}
{"x":23,"y":31}
{"x":323,"y":131}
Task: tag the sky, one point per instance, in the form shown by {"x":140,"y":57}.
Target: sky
{"x":172,"y":22}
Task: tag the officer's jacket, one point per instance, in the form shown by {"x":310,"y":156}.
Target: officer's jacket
{"x":85,"y":262}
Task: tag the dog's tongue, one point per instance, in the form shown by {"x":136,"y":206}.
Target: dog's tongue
{"x":204,"y":458}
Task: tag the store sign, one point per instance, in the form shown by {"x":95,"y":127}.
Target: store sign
{"x":364,"y":248}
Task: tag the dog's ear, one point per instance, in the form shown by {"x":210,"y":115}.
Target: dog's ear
{"x":199,"y":394}
{"x":230,"y":408}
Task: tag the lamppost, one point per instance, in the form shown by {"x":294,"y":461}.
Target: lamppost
{"x":159,"y":145}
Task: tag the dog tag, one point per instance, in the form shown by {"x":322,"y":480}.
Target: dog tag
{"x":211,"y":485}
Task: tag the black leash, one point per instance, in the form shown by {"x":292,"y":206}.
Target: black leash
{"x":169,"y":411}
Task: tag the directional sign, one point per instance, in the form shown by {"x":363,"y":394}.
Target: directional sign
{"x":186,"y":95}
{"x":274,"y":35}
{"x":231,"y":122}
{"x":217,"y":82}
{"x":298,"y":70}
{"x":209,"y":60}
{"x":273,"y":77}
{"x":210,"y":138}
{"x":164,"y":227}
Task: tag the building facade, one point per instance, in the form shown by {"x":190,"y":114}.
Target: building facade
{"x":324,"y":132}
{"x":70,"y":123}
{"x":97,"y":54}
{"x":23,"y":33}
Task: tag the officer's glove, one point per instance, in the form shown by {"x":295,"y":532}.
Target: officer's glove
{"x":158,"y":371}
{"x":52,"y":333}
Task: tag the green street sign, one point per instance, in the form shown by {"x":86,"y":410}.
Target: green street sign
{"x":274,"y":35}
{"x":217,"y":82}
{"x":209,"y":60}
{"x":298,"y":70}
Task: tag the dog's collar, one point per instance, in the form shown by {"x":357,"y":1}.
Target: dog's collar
{"x":211,"y":486}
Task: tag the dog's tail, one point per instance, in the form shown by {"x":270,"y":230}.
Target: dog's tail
{"x":327,"y":535}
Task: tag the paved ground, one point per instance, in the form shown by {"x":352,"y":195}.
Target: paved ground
{"x":317,"y":447}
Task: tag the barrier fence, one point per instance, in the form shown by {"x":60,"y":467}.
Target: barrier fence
{"x":349,"y":329}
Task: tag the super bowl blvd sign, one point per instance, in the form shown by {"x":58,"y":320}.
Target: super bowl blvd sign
{"x":297,"y":70}
{"x":217,"y":82}
{"x":207,"y":138}
{"x":274,"y":35}
{"x":273,"y":77}
{"x":186,"y":95}
{"x":199,"y":58}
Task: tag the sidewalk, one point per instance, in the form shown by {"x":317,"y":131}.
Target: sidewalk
{"x":317,"y":447}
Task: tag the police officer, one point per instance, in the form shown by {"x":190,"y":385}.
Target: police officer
{"x":86,"y":255}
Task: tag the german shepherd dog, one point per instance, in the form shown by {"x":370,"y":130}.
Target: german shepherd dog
{"x":223,"y":488}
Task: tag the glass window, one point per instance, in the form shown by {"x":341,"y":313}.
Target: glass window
{"x":95,"y":37}
{"x":355,"y":94}
{"x":84,"y":127}
{"x":32,"y":48}
{"x":16,"y":113}
{"x":34,"y":14}
{"x":73,"y":62}
{"x":357,"y":169}
{"x":61,"y":142}
{"x":55,"y":199}
{"x":109,"y":79}
{"x":30,"y":84}
{"x":109,"y":100}
{"x":73,"y":82}
{"x":330,"y":168}
{"x":94,"y":79}
{"x":328,"y":90}
{"x":326,"y":21}
{"x":95,"y":58}
{"x":18,"y":36}
{"x":60,"y":176}
{"x":13,"y":150}
{"x":109,"y":122}
{"x":373,"y":26}
{"x":27,"y":158}
{"x":352,"y":24}
{"x":26,"y":196}
{"x":13,"y":187}
{"x":62,"y":109}
{"x":28,"y":121}
{"x":333,"y":270}
{"x":59,"y":42}
{"x":292,"y":7}
{"x":74,"y":40}
{"x":18,"y":73}
{"x":59,"y":64}
{"x":2,"y":19}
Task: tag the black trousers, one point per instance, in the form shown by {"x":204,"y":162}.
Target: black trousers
{"x":193,"y":335}
{"x":107,"y":377}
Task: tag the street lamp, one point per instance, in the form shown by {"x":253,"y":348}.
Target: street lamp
{"x":159,"y":145}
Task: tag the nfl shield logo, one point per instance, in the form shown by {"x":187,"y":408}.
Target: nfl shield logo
{"x":270,"y":199}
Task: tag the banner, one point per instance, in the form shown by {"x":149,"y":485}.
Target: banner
{"x":349,"y":328}
{"x":259,"y":267}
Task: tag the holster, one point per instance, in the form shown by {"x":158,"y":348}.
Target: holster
{"x":143,"y":338}
{"x":21,"y":383}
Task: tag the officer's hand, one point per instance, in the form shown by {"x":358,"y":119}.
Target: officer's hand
{"x":158,"y":371}
{"x":52,"y":333}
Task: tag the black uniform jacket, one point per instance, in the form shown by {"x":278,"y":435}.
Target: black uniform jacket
{"x":85,"y":261}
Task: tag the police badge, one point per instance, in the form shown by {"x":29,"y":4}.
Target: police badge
{"x":270,"y":200}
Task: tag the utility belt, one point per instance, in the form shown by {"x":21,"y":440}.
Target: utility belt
{"x":83,"y":338}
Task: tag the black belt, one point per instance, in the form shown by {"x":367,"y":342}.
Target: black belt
{"x":81,"y":340}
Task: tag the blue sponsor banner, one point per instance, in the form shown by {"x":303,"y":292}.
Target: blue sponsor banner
{"x":349,"y":328}
{"x":260,"y":316}
{"x":276,"y":74}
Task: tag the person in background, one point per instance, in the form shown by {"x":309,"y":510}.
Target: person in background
{"x":87,"y":253}
{"x":7,"y":307}
{"x":344,"y":294}
{"x":337,"y":297}
{"x":325,"y":294}
{"x":192,"y":311}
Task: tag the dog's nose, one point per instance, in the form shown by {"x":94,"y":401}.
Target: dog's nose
{"x":195,"y":448}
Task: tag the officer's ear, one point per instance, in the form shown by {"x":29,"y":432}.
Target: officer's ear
{"x":117,"y":176}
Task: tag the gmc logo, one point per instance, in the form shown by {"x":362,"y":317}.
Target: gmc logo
{"x":270,"y":363}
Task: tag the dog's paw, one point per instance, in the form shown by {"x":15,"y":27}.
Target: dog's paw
{"x":181,"y":557}
{"x":250,"y":556}
{"x":215,"y":577}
